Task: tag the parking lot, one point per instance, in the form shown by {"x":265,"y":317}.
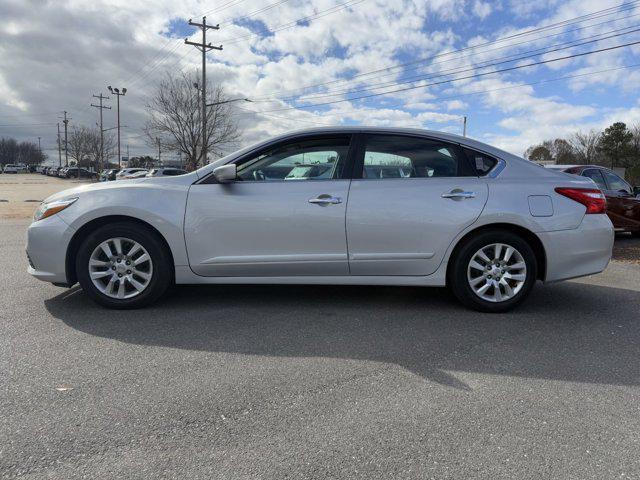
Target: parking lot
{"x":318,"y":382}
{"x":21,"y":193}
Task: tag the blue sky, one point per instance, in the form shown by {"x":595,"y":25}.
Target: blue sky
{"x":269,"y":56}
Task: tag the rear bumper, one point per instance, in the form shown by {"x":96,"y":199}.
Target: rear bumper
{"x":47,"y":242}
{"x":578,"y":252}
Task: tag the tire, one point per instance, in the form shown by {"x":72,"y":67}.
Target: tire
{"x":144,"y":280}
{"x":509,"y":276}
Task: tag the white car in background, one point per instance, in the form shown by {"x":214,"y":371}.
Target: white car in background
{"x":343,"y":205}
{"x":12,"y":168}
{"x":129,"y":172}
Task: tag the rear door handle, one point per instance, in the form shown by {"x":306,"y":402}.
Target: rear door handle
{"x":455,"y":194}
{"x":325,"y":199}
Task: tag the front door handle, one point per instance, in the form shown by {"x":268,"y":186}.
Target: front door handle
{"x":325,"y":199}
{"x":459,"y":194}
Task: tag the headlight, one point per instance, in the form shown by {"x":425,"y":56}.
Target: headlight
{"x":46,"y":209}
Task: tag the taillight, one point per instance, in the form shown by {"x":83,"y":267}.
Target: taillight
{"x":592,"y":198}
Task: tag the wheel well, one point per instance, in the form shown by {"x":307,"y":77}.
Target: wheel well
{"x":87,"y":228}
{"x":531,"y":238}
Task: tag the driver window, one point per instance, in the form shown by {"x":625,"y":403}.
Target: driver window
{"x":318,"y":159}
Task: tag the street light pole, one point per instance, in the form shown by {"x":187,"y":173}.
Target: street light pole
{"x":116,"y":91}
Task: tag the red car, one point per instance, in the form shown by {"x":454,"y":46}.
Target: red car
{"x":623,"y":200}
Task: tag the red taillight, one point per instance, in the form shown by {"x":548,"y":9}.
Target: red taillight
{"x":592,"y":198}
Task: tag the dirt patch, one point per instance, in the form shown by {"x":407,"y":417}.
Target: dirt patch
{"x":20,"y":193}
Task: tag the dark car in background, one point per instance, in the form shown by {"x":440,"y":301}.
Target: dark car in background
{"x":623,"y":200}
{"x":74,"y":172}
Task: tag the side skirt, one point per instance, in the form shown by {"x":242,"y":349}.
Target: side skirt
{"x":184,"y":275}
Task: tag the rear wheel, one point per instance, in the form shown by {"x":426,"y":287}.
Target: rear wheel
{"x":493,"y":272}
{"x":123,"y":265}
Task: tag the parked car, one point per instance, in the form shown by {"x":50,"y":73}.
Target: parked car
{"x":623,"y":201}
{"x":479,"y":220}
{"x":127,"y":172}
{"x":164,"y":171}
{"x":75,"y":172}
{"x":11,"y":168}
{"x":141,"y":173}
{"x":108,"y":175}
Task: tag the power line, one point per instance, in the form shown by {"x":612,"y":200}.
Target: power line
{"x":27,"y":125}
{"x":295,"y":23}
{"x":590,"y":16}
{"x":356,"y":81}
{"x":517,"y":67}
{"x":509,"y":87}
{"x":254,"y":13}
{"x":444,"y":73}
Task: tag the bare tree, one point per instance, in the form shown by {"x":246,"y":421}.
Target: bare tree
{"x":79,"y":145}
{"x":585,"y":146}
{"x":99,"y":154}
{"x":175,"y":118}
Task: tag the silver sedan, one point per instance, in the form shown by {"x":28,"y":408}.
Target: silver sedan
{"x":344,"y":205}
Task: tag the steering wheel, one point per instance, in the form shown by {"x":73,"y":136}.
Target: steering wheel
{"x":258,"y":175}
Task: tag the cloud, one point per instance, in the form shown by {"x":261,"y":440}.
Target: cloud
{"x":58,"y":59}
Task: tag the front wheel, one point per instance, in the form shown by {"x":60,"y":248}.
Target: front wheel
{"x":123,"y":265}
{"x":493,"y":272}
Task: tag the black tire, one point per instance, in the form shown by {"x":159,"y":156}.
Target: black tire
{"x":162,"y":275}
{"x":459,"y":283}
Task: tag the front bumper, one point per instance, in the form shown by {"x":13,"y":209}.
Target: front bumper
{"x":47,"y":242}
{"x":581,"y":251}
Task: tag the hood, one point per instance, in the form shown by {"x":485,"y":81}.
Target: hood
{"x":92,"y":187}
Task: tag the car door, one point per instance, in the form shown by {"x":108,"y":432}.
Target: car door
{"x":622,"y":205}
{"x":409,"y":198}
{"x":284,"y":215}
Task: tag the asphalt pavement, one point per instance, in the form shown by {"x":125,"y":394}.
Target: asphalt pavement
{"x":299,"y":382}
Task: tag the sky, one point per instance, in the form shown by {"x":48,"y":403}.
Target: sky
{"x":407,"y":63}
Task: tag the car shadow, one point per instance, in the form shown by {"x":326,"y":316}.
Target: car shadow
{"x":569,"y":332}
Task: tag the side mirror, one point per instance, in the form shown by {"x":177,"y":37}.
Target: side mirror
{"x":636,"y":191}
{"x":226,"y":173}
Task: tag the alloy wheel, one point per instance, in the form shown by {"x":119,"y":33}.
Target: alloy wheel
{"x":120,"y":268}
{"x":497,"y":272}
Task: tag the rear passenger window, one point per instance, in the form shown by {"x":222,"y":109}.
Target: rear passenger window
{"x":481,"y":162}
{"x":597,"y":177}
{"x":396,"y":156}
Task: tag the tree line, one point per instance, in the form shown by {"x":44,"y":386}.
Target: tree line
{"x":13,"y":151}
{"x":617,"y":146}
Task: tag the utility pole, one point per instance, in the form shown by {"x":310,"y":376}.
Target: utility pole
{"x":204,"y":47}
{"x":100,"y":107}
{"x":159,"y":152}
{"x":59,"y":148}
{"x":116,"y":91}
{"x":66,"y":150}
{"x":464,"y":127}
